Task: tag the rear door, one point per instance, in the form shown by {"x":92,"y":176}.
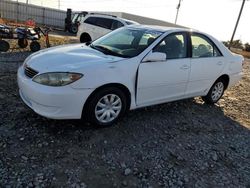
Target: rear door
{"x":207,"y":63}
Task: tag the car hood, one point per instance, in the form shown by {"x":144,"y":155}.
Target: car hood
{"x":67,"y":58}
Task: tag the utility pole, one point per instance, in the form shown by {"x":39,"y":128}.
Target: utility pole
{"x":178,"y":7}
{"x":27,"y":15}
{"x":237,"y":22}
{"x":59,"y":4}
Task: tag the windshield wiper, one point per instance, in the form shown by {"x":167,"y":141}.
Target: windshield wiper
{"x":106,"y":50}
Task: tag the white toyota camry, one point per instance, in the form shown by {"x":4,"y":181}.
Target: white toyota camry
{"x":132,"y":67}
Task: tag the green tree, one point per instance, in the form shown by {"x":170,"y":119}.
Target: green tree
{"x":247,"y":47}
{"x":237,"y":44}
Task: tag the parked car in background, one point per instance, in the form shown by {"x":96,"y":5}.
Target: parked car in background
{"x":129,"y":68}
{"x":95,"y":25}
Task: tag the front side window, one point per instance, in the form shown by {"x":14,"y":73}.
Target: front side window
{"x":203,"y":47}
{"x":126,"y":42}
{"x":173,"y":45}
{"x":116,"y":24}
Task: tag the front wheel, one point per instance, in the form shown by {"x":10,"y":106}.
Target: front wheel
{"x":74,"y":29}
{"x":215,"y":93}
{"x":4,"y":46}
{"x":105,"y":107}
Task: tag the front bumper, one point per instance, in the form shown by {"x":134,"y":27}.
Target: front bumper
{"x":52,"y":102}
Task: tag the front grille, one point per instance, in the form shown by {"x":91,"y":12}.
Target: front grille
{"x":30,"y":72}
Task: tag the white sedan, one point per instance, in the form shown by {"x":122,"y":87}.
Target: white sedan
{"x":132,"y":67}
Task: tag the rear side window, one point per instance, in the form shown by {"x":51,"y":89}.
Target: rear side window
{"x":203,"y":47}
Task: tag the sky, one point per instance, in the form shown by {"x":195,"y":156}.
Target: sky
{"x":216,"y":17}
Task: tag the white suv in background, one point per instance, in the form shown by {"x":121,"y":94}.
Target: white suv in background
{"x":95,"y":25}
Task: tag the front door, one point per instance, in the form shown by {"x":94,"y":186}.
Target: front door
{"x":165,"y":80}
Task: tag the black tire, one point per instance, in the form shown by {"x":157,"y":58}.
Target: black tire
{"x":35,"y":46}
{"x":85,"y":38}
{"x":22,"y":43}
{"x":74,"y":29}
{"x":4,"y":46}
{"x":92,"y":107}
{"x":210,"y":98}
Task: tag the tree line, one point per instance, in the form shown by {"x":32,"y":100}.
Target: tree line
{"x":238,"y":44}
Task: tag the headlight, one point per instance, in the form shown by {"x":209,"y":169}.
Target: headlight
{"x":57,"y":78}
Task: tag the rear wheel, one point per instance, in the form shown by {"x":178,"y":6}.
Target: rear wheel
{"x":35,"y":46}
{"x":23,"y":43}
{"x":105,"y":107}
{"x":215,"y":93}
{"x":4,"y":46}
{"x":74,"y":29}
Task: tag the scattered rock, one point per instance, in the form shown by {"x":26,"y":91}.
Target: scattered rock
{"x":127,"y":171}
{"x":214,"y":156}
{"x":124,"y":183}
{"x":24,"y":158}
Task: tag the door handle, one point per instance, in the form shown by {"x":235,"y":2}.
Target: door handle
{"x":219,"y":63}
{"x":183,"y":67}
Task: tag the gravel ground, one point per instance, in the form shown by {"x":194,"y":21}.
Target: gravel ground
{"x":179,"y":144}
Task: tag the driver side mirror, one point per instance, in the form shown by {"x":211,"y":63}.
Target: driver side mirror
{"x":155,"y":57}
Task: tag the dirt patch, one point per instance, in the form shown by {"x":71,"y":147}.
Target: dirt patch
{"x":17,"y":54}
{"x":2,"y":21}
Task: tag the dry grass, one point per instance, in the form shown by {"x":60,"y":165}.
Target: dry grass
{"x":2,"y":21}
{"x":243,"y":53}
{"x":55,"y":41}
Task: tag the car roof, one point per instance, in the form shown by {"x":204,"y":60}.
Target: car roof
{"x":100,"y":15}
{"x":160,"y":28}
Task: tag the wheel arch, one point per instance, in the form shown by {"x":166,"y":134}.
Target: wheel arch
{"x":85,"y":35}
{"x":116,"y":85}
{"x":225,"y":78}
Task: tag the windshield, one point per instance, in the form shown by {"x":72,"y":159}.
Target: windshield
{"x":126,"y":42}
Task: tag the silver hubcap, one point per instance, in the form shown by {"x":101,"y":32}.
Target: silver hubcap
{"x":217,"y":91}
{"x":108,"y":108}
